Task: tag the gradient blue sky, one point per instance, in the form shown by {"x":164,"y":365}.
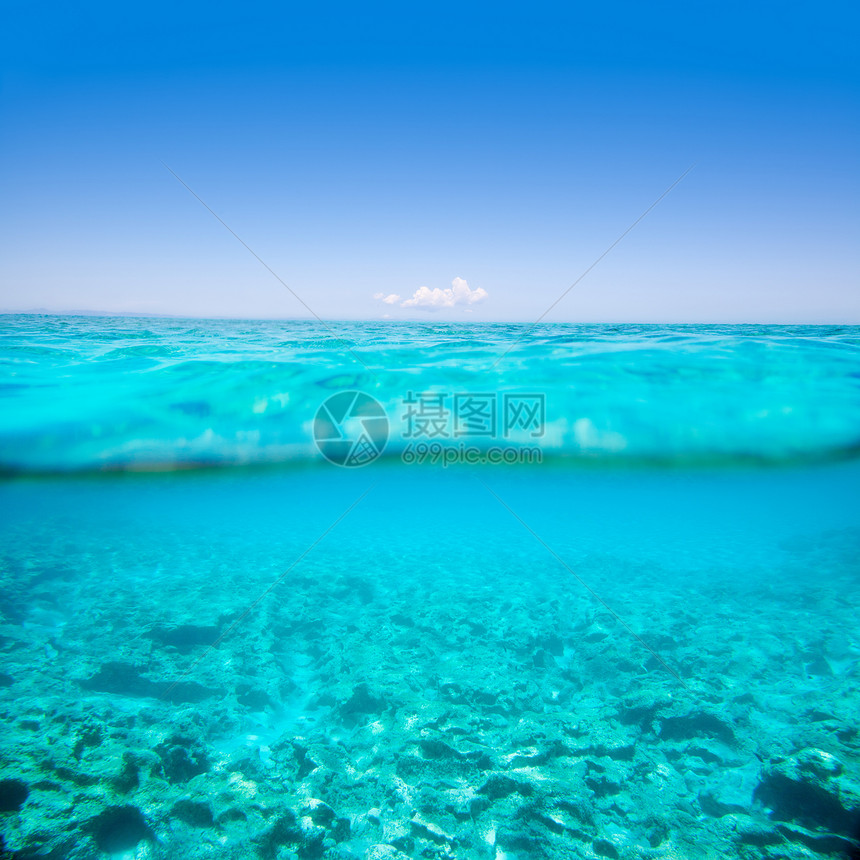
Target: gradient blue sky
{"x":364,"y":149}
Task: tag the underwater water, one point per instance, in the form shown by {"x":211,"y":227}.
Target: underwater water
{"x":640,"y":640}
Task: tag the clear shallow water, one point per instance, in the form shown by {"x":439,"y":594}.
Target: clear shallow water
{"x":664,"y":666}
{"x":93,"y":393}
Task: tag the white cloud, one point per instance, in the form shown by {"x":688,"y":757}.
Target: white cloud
{"x":392,"y":299}
{"x":458,"y":294}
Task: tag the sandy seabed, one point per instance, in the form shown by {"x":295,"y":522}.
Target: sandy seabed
{"x":386,"y":702}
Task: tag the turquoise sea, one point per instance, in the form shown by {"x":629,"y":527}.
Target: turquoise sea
{"x":634,"y":636}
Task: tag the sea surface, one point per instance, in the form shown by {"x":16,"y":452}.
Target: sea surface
{"x":428,"y":590}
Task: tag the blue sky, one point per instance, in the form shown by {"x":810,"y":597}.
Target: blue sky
{"x":374,"y":150}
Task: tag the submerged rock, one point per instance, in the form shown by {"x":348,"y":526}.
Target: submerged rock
{"x":811,"y":789}
{"x":127,"y":679}
{"x":13,"y":793}
{"x":185,"y":637}
{"x":119,"y":829}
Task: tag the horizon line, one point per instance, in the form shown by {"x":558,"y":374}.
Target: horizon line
{"x":427,"y":319}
